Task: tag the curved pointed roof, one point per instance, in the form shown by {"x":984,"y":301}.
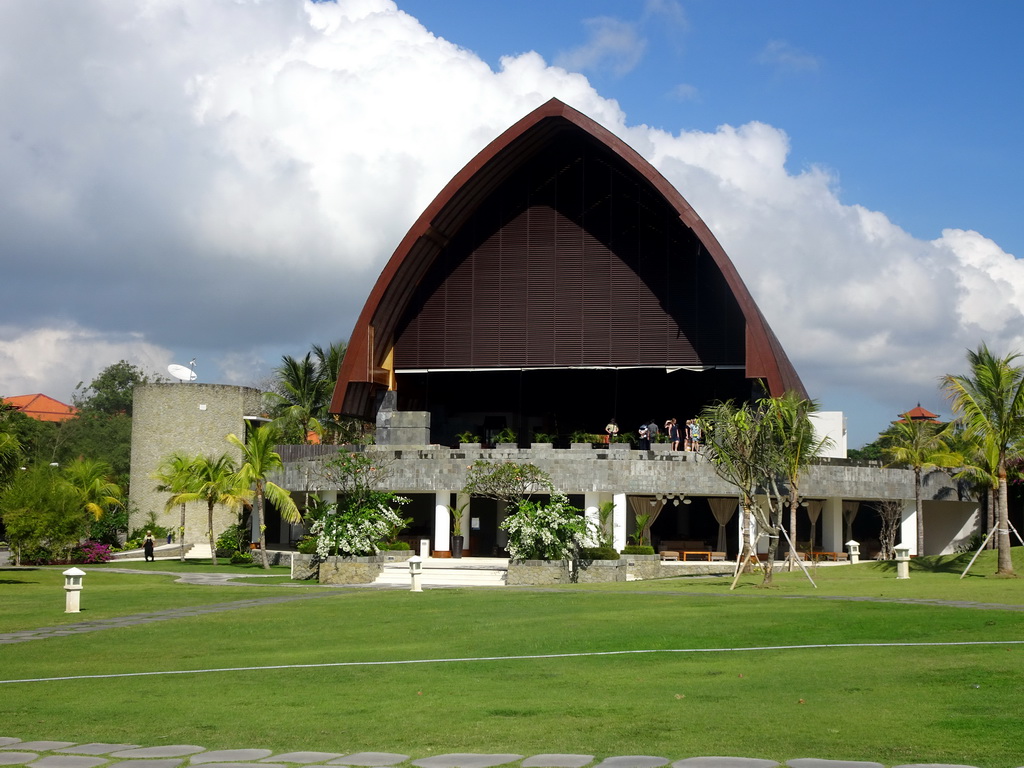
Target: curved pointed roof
{"x":369,"y":364}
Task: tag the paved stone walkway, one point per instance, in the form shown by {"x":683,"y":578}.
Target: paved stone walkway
{"x":69,"y":754}
{"x":136,"y":619}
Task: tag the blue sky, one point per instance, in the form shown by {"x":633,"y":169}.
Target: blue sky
{"x":224,"y":179}
{"x":916,"y":105}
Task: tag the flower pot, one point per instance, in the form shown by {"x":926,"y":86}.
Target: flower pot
{"x":457,"y":542}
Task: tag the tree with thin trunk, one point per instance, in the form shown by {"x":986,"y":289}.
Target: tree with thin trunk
{"x":919,"y":445}
{"x":989,"y":402}
{"x":259,"y":459}
{"x":216,"y":482}
{"x":175,"y":476}
{"x":738,"y":443}
{"x":798,"y":445}
{"x":91,"y":481}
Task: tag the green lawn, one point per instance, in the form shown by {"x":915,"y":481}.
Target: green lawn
{"x":894,"y":704}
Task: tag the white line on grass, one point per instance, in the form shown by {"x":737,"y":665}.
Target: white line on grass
{"x":513,"y":658}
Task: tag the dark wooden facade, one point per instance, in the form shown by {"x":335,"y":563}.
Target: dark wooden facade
{"x":557,"y":281}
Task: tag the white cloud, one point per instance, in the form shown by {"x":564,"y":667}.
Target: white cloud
{"x":785,"y":57}
{"x":612,"y":45}
{"x":225,"y":180}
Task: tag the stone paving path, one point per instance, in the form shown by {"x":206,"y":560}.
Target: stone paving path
{"x":135,"y":619}
{"x":69,"y":754}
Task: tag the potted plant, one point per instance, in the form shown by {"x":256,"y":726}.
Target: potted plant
{"x":467,"y":439}
{"x":506,"y":438}
{"x":458,"y":540}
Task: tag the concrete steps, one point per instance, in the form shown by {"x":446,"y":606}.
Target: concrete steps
{"x":443,"y":573}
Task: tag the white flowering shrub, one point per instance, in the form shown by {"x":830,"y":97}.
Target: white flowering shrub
{"x":552,"y":531}
{"x":355,"y":531}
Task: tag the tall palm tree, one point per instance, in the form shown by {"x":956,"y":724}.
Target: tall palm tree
{"x":302,"y":397}
{"x":175,"y":476}
{"x":91,"y":480}
{"x":259,"y":459}
{"x":739,"y":446}
{"x":989,"y":402}
{"x":790,"y":422}
{"x":921,"y":446}
{"x":216,"y":481}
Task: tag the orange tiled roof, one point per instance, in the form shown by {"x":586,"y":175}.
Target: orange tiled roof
{"x":42,"y":407}
{"x":919,"y":414}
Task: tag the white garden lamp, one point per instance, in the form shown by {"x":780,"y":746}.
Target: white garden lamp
{"x":902,"y":561}
{"x":73,"y":589}
{"x":415,"y":571}
{"x":853,"y":547}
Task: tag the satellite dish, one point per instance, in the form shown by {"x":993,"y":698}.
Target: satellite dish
{"x":181,"y":372}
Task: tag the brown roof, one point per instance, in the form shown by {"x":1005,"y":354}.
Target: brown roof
{"x":42,"y":407}
{"x":369,"y":360}
{"x":918,"y":413}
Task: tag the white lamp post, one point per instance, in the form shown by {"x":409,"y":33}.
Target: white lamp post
{"x":73,"y":589}
{"x":902,"y":561}
{"x":853,"y":547}
{"x":415,"y":571}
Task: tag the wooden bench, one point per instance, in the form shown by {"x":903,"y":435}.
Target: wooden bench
{"x":668,"y":554}
{"x":697,"y":554}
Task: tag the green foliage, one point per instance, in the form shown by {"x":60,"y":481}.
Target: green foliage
{"x":544,"y":437}
{"x":307,"y":545}
{"x":259,"y":459}
{"x":506,"y":435}
{"x":599,"y":553}
{"x":241,"y":558}
{"x":40,"y":512}
{"x":467,"y":437}
{"x":506,"y":481}
{"x":302,"y":394}
{"x":396,"y":546}
{"x":546,"y":531}
{"x":111,"y":391}
{"x":457,"y":513}
{"x":639,"y":535}
{"x":37,"y":439}
{"x":638,"y":549}
{"x":234,"y":539}
{"x":364,"y":517}
{"x":100,"y":436}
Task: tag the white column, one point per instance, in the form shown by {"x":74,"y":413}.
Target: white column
{"x":619,"y":521}
{"x":832,"y":525}
{"x":442,"y":521}
{"x":590,"y":502}
{"x":907,"y":535}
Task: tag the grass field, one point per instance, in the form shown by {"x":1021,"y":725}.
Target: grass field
{"x":686,"y":667}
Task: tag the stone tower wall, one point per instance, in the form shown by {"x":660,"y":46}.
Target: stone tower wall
{"x":187,"y":418}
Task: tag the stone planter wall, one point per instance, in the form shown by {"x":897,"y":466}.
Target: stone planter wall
{"x":396,"y":555}
{"x":536,"y":573}
{"x":602,"y":570}
{"x":639,"y":567}
{"x":302,"y":567}
{"x":351,"y":570}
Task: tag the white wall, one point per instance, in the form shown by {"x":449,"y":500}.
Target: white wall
{"x":831,"y":424}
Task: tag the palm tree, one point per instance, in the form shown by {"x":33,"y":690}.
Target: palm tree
{"x":90,"y":480}
{"x":175,"y":475}
{"x":919,"y":445}
{"x":790,"y":420}
{"x":259,"y":459}
{"x":216,"y":481}
{"x":739,"y":446}
{"x":10,"y":456}
{"x":989,"y":402}
{"x":302,"y":397}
